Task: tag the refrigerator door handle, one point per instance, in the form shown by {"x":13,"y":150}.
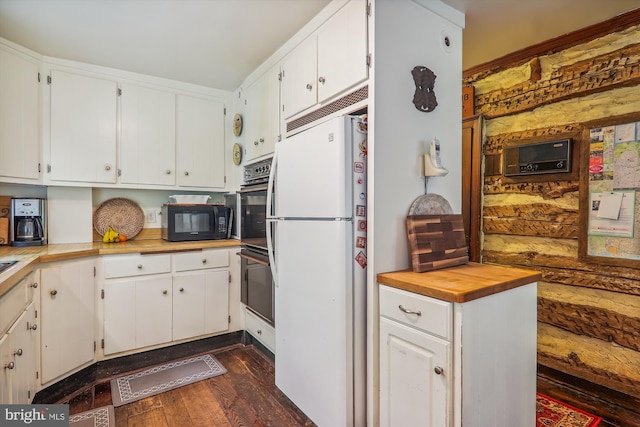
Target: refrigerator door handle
{"x":270,"y":220}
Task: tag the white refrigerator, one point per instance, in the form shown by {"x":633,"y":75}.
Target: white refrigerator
{"x":319,"y":260}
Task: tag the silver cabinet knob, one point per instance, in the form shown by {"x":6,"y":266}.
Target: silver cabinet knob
{"x":139,"y":266}
{"x":18,"y":352}
{"x":309,"y":86}
{"x":53,"y":292}
{"x":168,"y":172}
{"x":34,"y":285}
{"x":204,"y":261}
{"x":261,"y":140}
{"x":9,"y":365}
{"x":438,"y":370}
{"x":186,"y":173}
{"x":255,"y":142}
{"x":107,"y":167}
{"x":31,"y":327}
{"x":164,"y":292}
{"x":181,"y":289}
{"x":408,"y":311}
{"x":259,"y":331}
{"x":321,"y":80}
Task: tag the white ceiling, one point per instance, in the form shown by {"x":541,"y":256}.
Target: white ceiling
{"x":217,"y":43}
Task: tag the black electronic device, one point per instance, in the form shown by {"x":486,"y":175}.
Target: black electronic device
{"x":538,"y":158}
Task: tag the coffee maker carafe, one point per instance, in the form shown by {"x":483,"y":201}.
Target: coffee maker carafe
{"x":27,"y":222}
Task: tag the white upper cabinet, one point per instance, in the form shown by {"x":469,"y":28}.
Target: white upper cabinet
{"x":148,"y":135}
{"x":83,"y":128}
{"x":328,"y":62}
{"x":342,"y":50}
{"x":262,"y":114}
{"x":19,"y":118}
{"x":200,"y":142}
{"x":299,"y":81}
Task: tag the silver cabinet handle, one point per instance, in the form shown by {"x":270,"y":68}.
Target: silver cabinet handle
{"x":259,"y":331}
{"x":164,"y":292}
{"x":255,"y":142}
{"x":53,"y":292}
{"x":204,"y":261}
{"x":186,"y":173}
{"x":261,"y":140}
{"x":181,"y":289}
{"x":309,"y":86}
{"x":9,"y":365}
{"x":18,"y":352}
{"x":107,"y":167}
{"x":321,"y":80}
{"x":407,"y":311}
{"x":34,"y":285}
{"x":168,"y":172}
{"x":31,"y":327}
{"x":139,"y":266}
{"x":438,"y":370}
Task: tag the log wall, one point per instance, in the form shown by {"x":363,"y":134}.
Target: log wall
{"x":588,"y":314}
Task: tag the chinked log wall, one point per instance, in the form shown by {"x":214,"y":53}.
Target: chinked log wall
{"x":588,"y":313}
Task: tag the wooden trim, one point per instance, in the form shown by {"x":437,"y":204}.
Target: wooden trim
{"x":557,"y":44}
{"x":472,"y":183}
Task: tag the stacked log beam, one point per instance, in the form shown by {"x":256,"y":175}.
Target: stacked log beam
{"x":588,"y":313}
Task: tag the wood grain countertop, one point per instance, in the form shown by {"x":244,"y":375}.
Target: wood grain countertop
{"x":462,"y":283}
{"x":29,"y":257}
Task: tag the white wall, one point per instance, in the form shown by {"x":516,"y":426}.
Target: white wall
{"x":404,"y":34}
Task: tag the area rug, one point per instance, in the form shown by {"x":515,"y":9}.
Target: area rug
{"x":553,"y":413}
{"x":165,"y":377}
{"x":99,"y":417}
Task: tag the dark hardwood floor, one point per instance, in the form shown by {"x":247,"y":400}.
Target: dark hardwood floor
{"x":245,"y":396}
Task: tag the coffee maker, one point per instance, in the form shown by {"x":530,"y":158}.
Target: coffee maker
{"x":27,"y":225}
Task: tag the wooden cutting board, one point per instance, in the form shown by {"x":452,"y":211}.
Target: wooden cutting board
{"x":5,"y":211}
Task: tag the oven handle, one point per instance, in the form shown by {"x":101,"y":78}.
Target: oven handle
{"x":255,"y":259}
{"x":270,"y":222}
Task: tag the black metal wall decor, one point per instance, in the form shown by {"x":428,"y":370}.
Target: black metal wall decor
{"x":424,"y":98}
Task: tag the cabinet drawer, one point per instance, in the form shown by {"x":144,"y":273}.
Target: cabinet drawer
{"x":260,"y":330}
{"x":435,"y":316}
{"x":11,"y":305}
{"x":201,"y":260}
{"x":136,"y":265}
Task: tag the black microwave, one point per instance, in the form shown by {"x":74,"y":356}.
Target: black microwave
{"x":185,"y":222}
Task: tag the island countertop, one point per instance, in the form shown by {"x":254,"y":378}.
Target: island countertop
{"x":462,"y":283}
{"x":29,"y":256}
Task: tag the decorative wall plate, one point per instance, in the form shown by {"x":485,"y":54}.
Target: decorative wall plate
{"x":237,"y":125}
{"x":237,"y":154}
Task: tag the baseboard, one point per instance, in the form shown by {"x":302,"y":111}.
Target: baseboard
{"x":106,"y":369}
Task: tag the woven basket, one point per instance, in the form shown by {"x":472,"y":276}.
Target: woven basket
{"x":123,"y":215}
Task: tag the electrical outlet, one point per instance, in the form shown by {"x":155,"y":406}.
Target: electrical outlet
{"x":151,"y":216}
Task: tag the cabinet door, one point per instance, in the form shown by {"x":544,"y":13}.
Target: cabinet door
{"x":24,"y":339}
{"x":67,"y":323}
{"x":263,"y":115}
{"x":147,"y":141}
{"x":153,"y":311}
{"x":216,"y":296}
{"x":342,"y":50}
{"x":411,"y":392}
{"x":119,"y":316}
{"x":83,"y":128}
{"x":299,"y":79}
{"x":5,"y":370}
{"x":19,"y":124}
{"x":200,"y":142}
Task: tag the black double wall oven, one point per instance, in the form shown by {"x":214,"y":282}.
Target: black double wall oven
{"x":257,"y":285}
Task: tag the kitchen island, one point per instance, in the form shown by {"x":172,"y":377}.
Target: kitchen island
{"x":458,"y":346}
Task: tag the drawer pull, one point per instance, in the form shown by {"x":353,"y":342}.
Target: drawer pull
{"x":438,"y":370}
{"x":18,"y":352}
{"x":204,"y":261}
{"x":407,"y":311}
{"x":53,"y":292}
{"x":181,"y":289}
{"x":259,"y":331}
{"x":34,"y":285}
{"x":164,"y":292}
{"x":9,"y":365}
{"x":139,"y":266}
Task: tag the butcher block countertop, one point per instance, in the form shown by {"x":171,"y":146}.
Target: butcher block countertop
{"x":462,"y":283}
{"x":30,"y":256}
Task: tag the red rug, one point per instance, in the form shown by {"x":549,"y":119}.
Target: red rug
{"x":553,"y":413}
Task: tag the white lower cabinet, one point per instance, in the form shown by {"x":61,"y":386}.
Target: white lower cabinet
{"x":260,"y":330}
{"x":180,"y":296}
{"x":67,"y":305}
{"x":18,"y":361}
{"x":445,"y":364}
